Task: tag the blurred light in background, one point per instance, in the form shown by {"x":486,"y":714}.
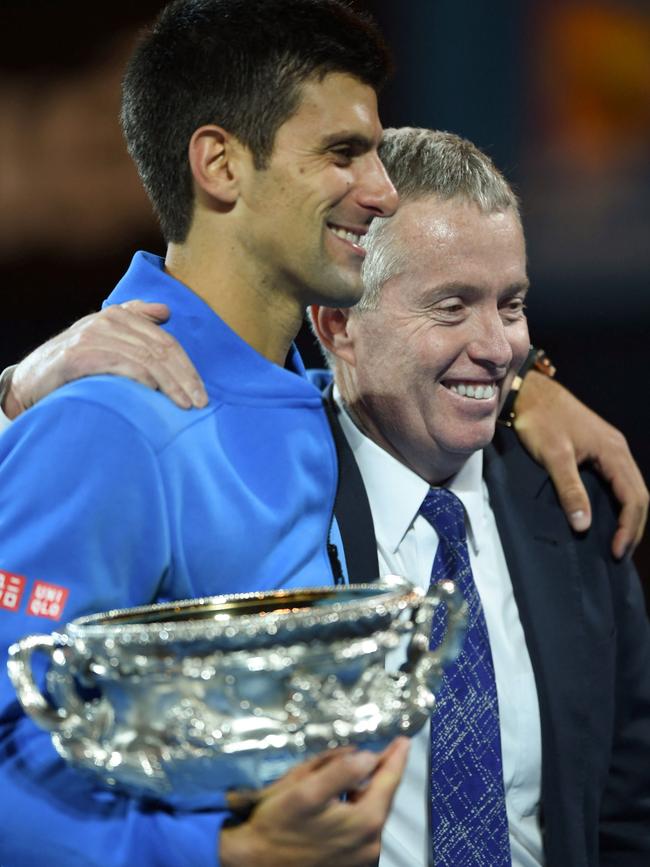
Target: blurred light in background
{"x":586,"y":168}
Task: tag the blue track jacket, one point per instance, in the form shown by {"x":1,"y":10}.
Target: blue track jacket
{"x":111,"y":496}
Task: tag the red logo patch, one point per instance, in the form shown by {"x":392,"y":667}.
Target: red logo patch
{"x":11,"y":590}
{"x":47,"y":600}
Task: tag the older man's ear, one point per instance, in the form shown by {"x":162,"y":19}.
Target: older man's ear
{"x":334,"y":328}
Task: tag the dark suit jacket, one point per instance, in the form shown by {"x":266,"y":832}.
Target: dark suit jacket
{"x":589,"y":642}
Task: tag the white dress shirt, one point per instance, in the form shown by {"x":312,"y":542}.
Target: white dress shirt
{"x":406,"y":545}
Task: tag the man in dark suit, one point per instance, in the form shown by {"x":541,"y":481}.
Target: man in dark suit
{"x":422,"y":367}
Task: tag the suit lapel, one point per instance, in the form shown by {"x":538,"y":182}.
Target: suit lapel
{"x":351,"y":506}
{"x":547,"y":585}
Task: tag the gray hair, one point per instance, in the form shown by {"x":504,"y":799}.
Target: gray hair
{"x":423,"y":163}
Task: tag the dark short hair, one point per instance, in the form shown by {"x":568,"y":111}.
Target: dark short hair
{"x":239,"y":64}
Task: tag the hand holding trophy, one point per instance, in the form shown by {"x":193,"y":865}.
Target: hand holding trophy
{"x":163,"y":700}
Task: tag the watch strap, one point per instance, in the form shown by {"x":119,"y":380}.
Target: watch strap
{"x":537,"y":360}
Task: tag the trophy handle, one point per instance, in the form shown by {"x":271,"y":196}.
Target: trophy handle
{"x":42,"y":711}
{"x":425,"y":665}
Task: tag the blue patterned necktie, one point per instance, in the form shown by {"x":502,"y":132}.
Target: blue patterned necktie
{"x":469,"y":825}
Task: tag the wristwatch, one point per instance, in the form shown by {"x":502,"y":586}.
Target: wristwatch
{"x":537,"y":360}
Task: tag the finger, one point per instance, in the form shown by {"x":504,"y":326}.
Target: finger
{"x":152,"y":373}
{"x":304,"y":769}
{"x":122,"y":361}
{"x":379,"y":793}
{"x":571,"y":492}
{"x":133,"y":338}
{"x":175,"y":375}
{"x":153,"y":310}
{"x":328,"y":782}
{"x":618,"y":467}
{"x":119,"y":322}
{"x":384,"y":756}
{"x":120,"y":357}
{"x":644,"y":519}
{"x":622,"y":543}
{"x":322,"y":759}
{"x":631,"y":525}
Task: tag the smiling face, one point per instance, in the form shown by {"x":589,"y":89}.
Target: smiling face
{"x":303,"y":215}
{"x":426,"y":372}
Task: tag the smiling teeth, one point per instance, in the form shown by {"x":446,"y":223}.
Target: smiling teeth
{"x":347,"y":236}
{"x":478,"y":392}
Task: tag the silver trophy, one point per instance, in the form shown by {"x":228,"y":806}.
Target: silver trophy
{"x":181,"y":700}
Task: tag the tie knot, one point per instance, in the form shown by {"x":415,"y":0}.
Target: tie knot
{"x":444,"y":511}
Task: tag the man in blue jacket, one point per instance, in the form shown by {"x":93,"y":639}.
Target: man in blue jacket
{"x":255,"y":130}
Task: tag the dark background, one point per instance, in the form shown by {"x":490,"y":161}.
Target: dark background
{"x":558,"y":93}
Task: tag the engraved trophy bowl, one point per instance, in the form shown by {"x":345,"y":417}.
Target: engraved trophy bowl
{"x":179,"y":701}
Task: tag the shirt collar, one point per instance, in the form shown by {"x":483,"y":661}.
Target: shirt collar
{"x":221,"y":357}
{"x":396,"y":493}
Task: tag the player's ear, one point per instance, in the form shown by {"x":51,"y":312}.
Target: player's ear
{"x":217,"y":159}
{"x":331,"y":325}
